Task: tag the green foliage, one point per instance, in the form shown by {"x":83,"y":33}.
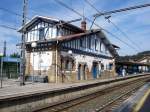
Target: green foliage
{"x":134,"y":57}
{"x":15,"y":55}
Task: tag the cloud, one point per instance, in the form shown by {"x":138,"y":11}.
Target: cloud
{"x":135,"y":23}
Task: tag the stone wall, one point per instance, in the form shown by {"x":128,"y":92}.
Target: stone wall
{"x":71,"y":74}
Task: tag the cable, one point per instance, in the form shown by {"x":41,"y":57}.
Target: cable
{"x":66,"y":6}
{"x":120,"y":39}
{"x":8,"y":27}
{"x":14,"y":13}
{"x":121,"y":10}
{"x":124,"y":33}
{"x":110,"y":22}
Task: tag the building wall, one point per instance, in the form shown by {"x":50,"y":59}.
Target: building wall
{"x":41,"y":64}
{"x":44,"y":62}
{"x":145,"y":61}
{"x":88,"y":43}
{"x":45,"y":30}
{"x":87,"y":62}
{"x":48,"y":66}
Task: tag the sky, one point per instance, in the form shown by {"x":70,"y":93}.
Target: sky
{"x":135,"y":24}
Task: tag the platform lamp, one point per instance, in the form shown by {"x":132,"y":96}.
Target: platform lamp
{"x":70,"y":54}
{"x":1,"y":54}
{"x":33,"y":45}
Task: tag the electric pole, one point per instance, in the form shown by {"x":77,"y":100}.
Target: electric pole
{"x":22,"y":72}
{"x":4,"y":50}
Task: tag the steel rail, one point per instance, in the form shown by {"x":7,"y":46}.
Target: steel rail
{"x":71,"y":103}
{"x":126,"y":94}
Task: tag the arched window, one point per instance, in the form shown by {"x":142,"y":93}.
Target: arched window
{"x":102,"y":66}
{"x":110,"y":66}
{"x":67,"y":65}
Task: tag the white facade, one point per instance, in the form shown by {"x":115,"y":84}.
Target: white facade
{"x":41,"y":60}
{"x":79,"y":58}
{"x":88,"y":47}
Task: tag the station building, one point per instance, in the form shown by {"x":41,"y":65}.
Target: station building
{"x":64,"y":52}
{"x":145,"y":59}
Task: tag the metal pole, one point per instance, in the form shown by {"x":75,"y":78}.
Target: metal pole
{"x":33,"y":67}
{"x":1,"y":71}
{"x":56,"y":63}
{"x":22,"y":74}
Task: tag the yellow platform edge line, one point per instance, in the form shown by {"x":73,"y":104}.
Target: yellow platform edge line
{"x":141,"y":102}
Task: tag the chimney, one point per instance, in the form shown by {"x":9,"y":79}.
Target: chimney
{"x":83,"y":25}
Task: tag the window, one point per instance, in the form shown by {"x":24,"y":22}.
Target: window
{"x":26,"y":37}
{"x":92,"y":43}
{"x":54,"y":31}
{"x":41,"y":33}
{"x":81,"y":42}
{"x":67,"y":65}
{"x":106,"y":51}
{"x":72,"y":64}
{"x":100,"y":46}
{"x":89,"y":43}
{"x":96,"y":44}
{"x":61,"y":64}
{"x":110,"y":66}
{"x":102,"y":66}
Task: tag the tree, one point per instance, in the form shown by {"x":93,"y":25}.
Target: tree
{"x":15,"y":55}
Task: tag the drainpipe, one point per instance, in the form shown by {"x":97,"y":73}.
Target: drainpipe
{"x":56,"y":75}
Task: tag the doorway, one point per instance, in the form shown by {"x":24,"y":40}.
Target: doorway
{"x":95,"y":70}
{"x":79,"y":72}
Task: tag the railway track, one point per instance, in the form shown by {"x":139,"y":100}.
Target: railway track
{"x":102,"y":101}
{"x":116,"y":102}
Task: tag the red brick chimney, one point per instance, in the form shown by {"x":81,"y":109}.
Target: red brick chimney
{"x":83,"y":25}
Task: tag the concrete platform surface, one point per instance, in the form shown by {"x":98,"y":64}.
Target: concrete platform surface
{"x":139,"y":102}
{"x":31,"y":88}
{"x":146,"y":105}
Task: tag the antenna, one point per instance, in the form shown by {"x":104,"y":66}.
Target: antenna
{"x":83,"y":11}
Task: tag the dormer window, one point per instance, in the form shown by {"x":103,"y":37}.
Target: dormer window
{"x":41,"y":33}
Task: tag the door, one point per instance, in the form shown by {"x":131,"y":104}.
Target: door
{"x":79,"y":72}
{"x":94,"y":70}
{"x":84,"y":72}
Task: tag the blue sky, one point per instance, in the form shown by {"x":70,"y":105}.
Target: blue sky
{"x":134,"y":23}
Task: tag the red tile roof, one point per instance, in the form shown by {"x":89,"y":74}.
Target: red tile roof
{"x":78,"y":35}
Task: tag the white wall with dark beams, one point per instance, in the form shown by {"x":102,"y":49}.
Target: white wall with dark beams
{"x":90,"y":43}
{"x":45,"y":30}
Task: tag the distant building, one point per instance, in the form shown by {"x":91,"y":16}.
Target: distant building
{"x":145,"y":59}
{"x":67,"y":53}
{"x":11,"y":67}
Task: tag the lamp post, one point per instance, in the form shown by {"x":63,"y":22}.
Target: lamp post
{"x":33,"y":45}
{"x":1,"y":54}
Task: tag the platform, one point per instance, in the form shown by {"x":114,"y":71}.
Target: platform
{"x":139,"y":102}
{"x":14,"y":90}
{"x":38,"y":95}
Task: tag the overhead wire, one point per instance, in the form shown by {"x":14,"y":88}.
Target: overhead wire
{"x":122,"y":10}
{"x":8,"y":27}
{"x":66,"y":6}
{"x":119,"y":29}
{"x":89,"y":3}
{"x":12,"y":12}
{"x":63,"y":4}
